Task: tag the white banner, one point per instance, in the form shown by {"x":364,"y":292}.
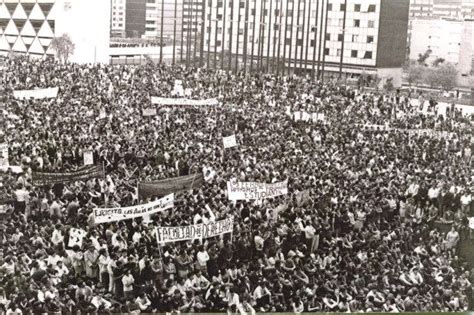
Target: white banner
{"x":149,"y":112}
{"x":103,"y":215}
{"x":191,"y":232}
{"x":229,"y":141}
{"x":88,"y":158}
{"x":183,"y":101}
{"x":253,"y":190}
{"x":4,"y":154}
{"x":36,"y":94}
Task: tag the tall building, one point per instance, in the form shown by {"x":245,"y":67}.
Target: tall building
{"x":28,"y":27}
{"x":450,"y":40}
{"x":353,"y":36}
{"x":135,"y":13}
{"x":444,"y":9}
{"x":117,"y":25}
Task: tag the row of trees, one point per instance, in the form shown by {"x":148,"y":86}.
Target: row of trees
{"x":439,"y":74}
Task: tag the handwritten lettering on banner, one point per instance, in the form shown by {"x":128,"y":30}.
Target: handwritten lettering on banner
{"x":4,"y":154}
{"x":190,"y":232}
{"x":183,"y":101}
{"x":229,"y":141}
{"x":36,"y":94}
{"x":253,"y":190}
{"x":83,"y":173}
{"x":103,"y":215}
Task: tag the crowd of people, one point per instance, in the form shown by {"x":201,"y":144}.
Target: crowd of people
{"x":387,"y":195}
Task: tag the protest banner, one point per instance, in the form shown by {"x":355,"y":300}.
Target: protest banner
{"x":149,"y":112}
{"x":103,"y":215}
{"x":165,"y":101}
{"x":196,"y":231}
{"x":88,"y":158}
{"x":36,"y":94}
{"x":83,"y":173}
{"x":170,"y":185}
{"x":229,"y":141}
{"x":16,"y":169}
{"x":4,"y":154}
{"x":76,"y":237}
{"x":253,"y":190}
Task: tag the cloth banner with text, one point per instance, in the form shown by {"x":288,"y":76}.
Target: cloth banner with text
{"x":83,"y":173}
{"x":196,"y":231}
{"x":36,"y":94}
{"x":254,"y":190}
{"x":103,"y":215}
{"x":166,"y":101}
{"x":170,"y":185}
{"x":88,"y":158}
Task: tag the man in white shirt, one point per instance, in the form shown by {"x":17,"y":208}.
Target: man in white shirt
{"x":202,"y":257}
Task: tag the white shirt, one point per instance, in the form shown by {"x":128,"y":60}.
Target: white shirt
{"x":202,"y":258}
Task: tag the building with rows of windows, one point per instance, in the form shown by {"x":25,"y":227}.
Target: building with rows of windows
{"x":339,"y":36}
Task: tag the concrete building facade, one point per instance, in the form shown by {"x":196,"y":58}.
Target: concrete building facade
{"x":28,"y":27}
{"x":451,"y":40}
{"x":367,"y":35}
{"x":117,"y":25}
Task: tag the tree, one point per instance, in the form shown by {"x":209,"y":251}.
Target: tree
{"x":438,"y":61}
{"x":388,"y":85}
{"x":444,"y":76}
{"x":422,"y":57}
{"x":63,"y":46}
{"x":415,"y":74}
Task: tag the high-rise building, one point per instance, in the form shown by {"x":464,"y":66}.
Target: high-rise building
{"x":117,"y":25}
{"x":448,"y":40}
{"x":444,"y":9}
{"x":28,"y":27}
{"x":135,"y":13}
{"x":351,"y":36}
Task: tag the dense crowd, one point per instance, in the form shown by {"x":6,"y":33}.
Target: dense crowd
{"x":370,"y":236}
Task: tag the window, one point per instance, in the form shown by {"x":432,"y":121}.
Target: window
{"x":340,"y":37}
{"x":150,"y":1}
{"x":276,"y":27}
{"x":210,"y":4}
{"x":326,"y":51}
{"x":312,"y":43}
{"x":277,"y":12}
{"x":218,"y":43}
{"x":289,"y":12}
{"x":371,"y":8}
{"x":299,"y":42}
{"x":241,"y":31}
{"x":120,"y":25}
{"x":242,"y":5}
{"x":368,"y":55}
{"x":356,"y":23}
{"x":219,"y":30}
{"x":208,"y":29}
{"x":314,"y":29}
{"x":219,"y":17}
{"x":251,"y":25}
{"x":209,"y":16}
{"x":342,"y":7}
{"x":287,"y":41}
{"x":357,"y":7}
{"x":220,"y":4}
{"x":207,"y":41}
{"x":355,"y":38}
{"x":354,"y":53}
{"x":329,"y":6}
{"x":371,"y":24}
{"x":253,"y":12}
{"x":328,"y":36}
{"x":149,"y":29}
{"x":265,"y":12}
{"x":370,"y":39}
{"x":338,"y":53}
